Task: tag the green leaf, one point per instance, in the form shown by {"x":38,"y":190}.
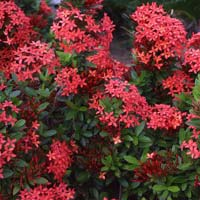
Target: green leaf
{"x":159,"y":188}
{"x":22,"y":163}
{"x":173,"y":189}
{"x":165,"y":194}
{"x":82,"y":177}
{"x":48,"y":133}
{"x":7,"y":173}
{"x":184,"y":166}
{"x":19,"y":123}
{"x":17,"y":135}
{"x":131,"y":160}
{"x":88,"y":134}
{"x":64,"y":57}
{"x":43,"y":106}
{"x":103,"y":134}
{"x":15,"y":93}
{"x":30,"y":91}
{"x":144,"y":141}
{"x":16,"y":189}
{"x":140,"y":128}
{"x":83,"y":109}
{"x":44,"y":92}
{"x":95,"y":193}
{"x":41,"y":180}
{"x":130,"y":167}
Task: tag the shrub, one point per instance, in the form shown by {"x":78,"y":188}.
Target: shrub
{"x":77,"y":124}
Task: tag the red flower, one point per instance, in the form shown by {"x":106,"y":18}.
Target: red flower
{"x":7,"y":147}
{"x":177,"y":83}
{"x":31,"y":58}
{"x":6,"y":110}
{"x":158,"y":37}
{"x":164,"y":117}
{"x":88,"y":36}
{"x":69,"y":80}
{"x":60,"y":192}
{"x":127,"y":107}
{"x":15,"y":26}
{"x":60,"y":159}
{"x":192,"y":58}
{"x":156,"y":167}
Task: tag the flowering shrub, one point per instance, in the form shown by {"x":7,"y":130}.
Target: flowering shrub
{"x":77,"y":124}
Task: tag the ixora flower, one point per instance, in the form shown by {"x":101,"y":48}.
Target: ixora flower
{"x":89,"y":36}
{"x":7,"y":147}
{"x":192,"y":54}
{"x":155,"y":166}
{"x":60,"y":158}
{"x":42,"y":192}
{"x":164,"y":117}
{"x":120,"y":105}
{"x":31,"y":59}
{"x":158,"y":37}
{"x":69,"y":81}
{"x":177,"y":83}
{"x":6,"y":110}
{"x":14,"y":24}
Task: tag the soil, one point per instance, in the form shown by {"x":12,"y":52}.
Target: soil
{"x":121,"y":47}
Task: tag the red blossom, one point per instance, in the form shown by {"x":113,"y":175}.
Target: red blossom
{"x":7,"y":147}
{"x":41,"y":192}
{"x":158,"y":37}
{"x":155,"y":167}
{"x":88,"y":36}
{"x":7,"y":108}
{"x":60,"y":159}
{"x":132,"y":107}
{"x":31,"y":59}
{"x":39,"y":19}
{"x":192,"y":58}
{"x":164,"y":117}
{"x":177,"y":83}
{"x":193,"y":148}
{"x":15,"y":26}
{"x":69,"y":80}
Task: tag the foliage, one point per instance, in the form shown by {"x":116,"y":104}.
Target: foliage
{"x":77,"y":124}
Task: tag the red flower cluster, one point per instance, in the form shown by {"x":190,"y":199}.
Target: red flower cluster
{"x":31,"y":140}
{"x":60,"y":158}
{"x":193,"y":148}
{"x":128,"y":107}
{"x":192,"y":54}
{"x":79,"y":32}
{"x":194,"y":41}
{"x":105,"y":66}
{"x":39,"y":19}
{"x":15,"y":26}
{"x":158,"y":37}
{"x":177,"y":83}
{"x":60,"y":192}
{"x":69,"y":80}
{"x":164,"y":117}
{"x":31,"y":58}
{"x":7,"y":147}
{"x":193,"y":144}
{"x":7,"y":108}
{"x":155,"y":167}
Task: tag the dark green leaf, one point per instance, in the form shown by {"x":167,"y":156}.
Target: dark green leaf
{"x":41,"y":180}
{"x":48,"y":133}
{"x":19,"y":123}
{"x":159,"y":188}
{"x":131,"y":160}
{"x":173,"y":189}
